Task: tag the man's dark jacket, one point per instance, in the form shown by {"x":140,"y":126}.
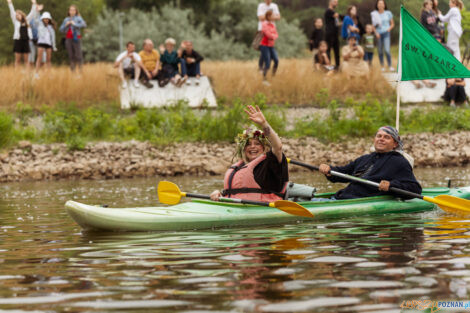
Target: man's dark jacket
{"x":391,"y":166}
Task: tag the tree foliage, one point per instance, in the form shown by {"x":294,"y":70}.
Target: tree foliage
{"x":89,"y":9}
{"x":227,"y":37}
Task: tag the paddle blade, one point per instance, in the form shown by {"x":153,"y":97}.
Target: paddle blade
{"x":291,"y":208}
{"x":451,"y":204}
{"x":168,"y":192}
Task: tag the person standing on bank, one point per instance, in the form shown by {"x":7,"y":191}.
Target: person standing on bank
{"x":453,"y":18}
{"x":382,"y":20}
{"x":22,"y":32}
{"x":264,"y":7}
{"x":261,"y":174}
{"x":268,"y":52}
{"x":71,"y":27}
{"x":46,"y":39}
{"x":332,"y":26}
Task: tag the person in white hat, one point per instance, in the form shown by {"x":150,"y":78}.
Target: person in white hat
{"x":46,"y":38}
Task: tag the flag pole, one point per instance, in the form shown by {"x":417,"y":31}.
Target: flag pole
{"x":397,"y":121}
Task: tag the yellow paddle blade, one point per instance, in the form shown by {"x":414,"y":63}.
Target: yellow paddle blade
{"x":291,"y":208}
{"x":451,"y":204}
{"x":169,"y":193}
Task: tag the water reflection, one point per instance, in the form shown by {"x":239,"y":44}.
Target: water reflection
{"x":359,"y":264}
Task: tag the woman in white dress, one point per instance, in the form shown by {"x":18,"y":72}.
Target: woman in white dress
{"x":453,"y":18}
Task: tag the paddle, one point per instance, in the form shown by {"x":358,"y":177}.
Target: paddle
{"x":169,"y":193}
{"x":447,"y":203}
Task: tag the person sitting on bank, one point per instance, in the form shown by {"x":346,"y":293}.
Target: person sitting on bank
{"x":192,"y":61}
{"x":261,"y":174}
{"x":388,"y":165}
{"x":151,"y":61}
{"x":455,"y":92}
{"x":170,"y":61}
{"x":353,"y":59}
{"x":321,"y":61}
{"x":129,"y":64}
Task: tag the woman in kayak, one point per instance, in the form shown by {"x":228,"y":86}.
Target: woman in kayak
{"x":261,"y":173}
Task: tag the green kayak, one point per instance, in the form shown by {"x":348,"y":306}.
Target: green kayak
{"x":202,"y":214}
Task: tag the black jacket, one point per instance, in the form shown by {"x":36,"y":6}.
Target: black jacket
{"x":391,"y":166}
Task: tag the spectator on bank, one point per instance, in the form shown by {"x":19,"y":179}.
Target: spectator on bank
{"x":368,"y":41}
{"x":263,"y":7}
{"x":353,"y":59}
{"x":455,"y":92}
{"x":351,"y":24}
{"x":46,"y":39}
{"x":129,"y":64}
{"x":382,"y":20}
{"x":170,"y":60}
{"x":318,"y":34}
{"x":453,"y":18}
{"x":440,"y":24}
{"x":193,"y":61}
{"x":321,"y":61}
{"x":429,"y":20}
{"x":34,"y":40}
{"x":151,"y":62}
{"x":268,"y":52}
{"x":332,"y":25}
{"x":22,"y":32}
{"x":71,"y":27}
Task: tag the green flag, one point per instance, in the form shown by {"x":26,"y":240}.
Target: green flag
{"x":422,"y":56}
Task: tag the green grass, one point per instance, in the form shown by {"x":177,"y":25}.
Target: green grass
{"x":66,"y":123}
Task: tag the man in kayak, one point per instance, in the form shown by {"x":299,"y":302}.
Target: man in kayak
{"x":386,"y":166}
{"x":261,"y":173}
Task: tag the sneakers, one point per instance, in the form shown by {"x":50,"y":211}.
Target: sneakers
{"x":383,"y":69}
{"x":266,"y":83}
{"x":181,"y":81}
{"x":197,"y":81}
{"x":147,"y":84}
{"x":392,"y":69}
{"x":136,"y":84}
{"x":188,"y":82}
{"x":124,"y":85}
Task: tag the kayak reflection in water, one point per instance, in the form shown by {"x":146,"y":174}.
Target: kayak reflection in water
{"x":261,"y":174}
{"x":388,"y":165}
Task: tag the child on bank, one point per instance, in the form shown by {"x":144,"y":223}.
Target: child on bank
{"x":321,"y":61}
{"x":318,"y":34}
{"x":369,"y":44}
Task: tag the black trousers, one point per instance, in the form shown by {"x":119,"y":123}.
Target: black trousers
{"x":456,"y":93}
{"x":333,"y":43}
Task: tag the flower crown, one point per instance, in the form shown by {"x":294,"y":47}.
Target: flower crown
{"x":242,"y":139}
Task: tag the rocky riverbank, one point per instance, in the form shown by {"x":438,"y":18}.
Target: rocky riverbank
{"x":106,"y":160}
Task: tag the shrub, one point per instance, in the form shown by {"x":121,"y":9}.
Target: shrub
{"x":6,"y":127}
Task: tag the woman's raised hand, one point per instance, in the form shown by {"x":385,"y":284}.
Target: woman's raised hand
{"x":255,"y":115}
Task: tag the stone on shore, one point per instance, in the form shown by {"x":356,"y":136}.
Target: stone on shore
{"x":107,"y":160}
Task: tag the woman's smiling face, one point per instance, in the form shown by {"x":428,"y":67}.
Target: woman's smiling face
{"x":253,"y":149}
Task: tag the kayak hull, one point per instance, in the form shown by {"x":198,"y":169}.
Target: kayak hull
{"x":202,"y":214}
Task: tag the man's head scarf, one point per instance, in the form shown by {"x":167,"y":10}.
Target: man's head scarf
{"x":392,"y":131}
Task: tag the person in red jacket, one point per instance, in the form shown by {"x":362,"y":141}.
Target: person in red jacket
{"x":268,"y":52}
{"x":261,"y":174}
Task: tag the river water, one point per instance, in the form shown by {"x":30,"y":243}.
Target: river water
{"x":360,"y":264}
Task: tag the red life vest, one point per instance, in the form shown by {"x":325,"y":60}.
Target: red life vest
{"x":240,"y":183}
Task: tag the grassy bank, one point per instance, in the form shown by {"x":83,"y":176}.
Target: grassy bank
{"x":295,"y":83}
{"x":355,"y":119}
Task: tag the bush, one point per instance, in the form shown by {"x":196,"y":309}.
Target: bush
{"x":231,"y":39}
{"x":6,"y":127}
